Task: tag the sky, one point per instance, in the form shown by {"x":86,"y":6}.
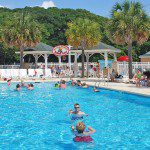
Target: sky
{"x":99,"y":7}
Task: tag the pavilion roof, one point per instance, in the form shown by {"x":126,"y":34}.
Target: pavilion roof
{"x":145,"y":55}
{"x":101,"y":47}
{"x":41,"y":47}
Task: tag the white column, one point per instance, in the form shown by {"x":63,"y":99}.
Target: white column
{"x":87,"y":64}
{"x":75,"y":65}
{"x":59,"y":58}
{"x":69,"y":59}
{"x":36,"y":60}
{"x":45,"y":56}
{"x":115,"y":57}
{"x":106,"y":59}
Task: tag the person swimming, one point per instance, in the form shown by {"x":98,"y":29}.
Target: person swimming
{"x":77,"y":114}
{"x":95,"y":90}
{"x":79,"y":83}
{"x":80,"y":134}
{"x":30,"y":86}
{"x":18,"y":87}
{"x":9,"y":81}
{"x":63,"y":84}
{"x":84,"y":85}
{"x":23,"y":84}
{"x":57,"y":85}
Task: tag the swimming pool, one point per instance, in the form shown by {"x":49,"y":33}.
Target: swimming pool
{"x":38,"y":119}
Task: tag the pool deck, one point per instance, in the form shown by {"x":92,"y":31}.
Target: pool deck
{"x":125,"y":87}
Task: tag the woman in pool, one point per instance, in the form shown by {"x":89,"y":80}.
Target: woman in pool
{"x":77,"y":114}
{"x":63,"y":84}
{"x":18,"y":87}
{"x":95,"y":90}
{"x":80,"y":134}
{"x":30,"y":86}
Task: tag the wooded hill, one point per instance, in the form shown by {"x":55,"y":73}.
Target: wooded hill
{"x":55,"y":21}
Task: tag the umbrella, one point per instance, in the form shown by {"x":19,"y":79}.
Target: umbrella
{"x":123,"y":58}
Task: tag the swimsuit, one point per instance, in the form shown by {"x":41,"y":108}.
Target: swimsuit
{"x":82,"y":139}
{"x":76,"y":117}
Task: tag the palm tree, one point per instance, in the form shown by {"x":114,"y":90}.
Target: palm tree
{"x":129,"y":23}
{"x":20,"y":31}
{"x":83,"y":33}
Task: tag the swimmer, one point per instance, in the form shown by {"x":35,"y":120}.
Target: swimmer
{"x":30,"y":86}
{"x":18,"y":87}
{"x":23,"y":84}
{"x":95,"y":90}
{"x":80,"y":134}
{"x":79,"y":83}
{"x":77,"y":114}
{"x":57,"y":85}
{"x":9,"y":81}
{"x":84,"y":85}
{"x":63,"y":84}
{"x":73,"y":83}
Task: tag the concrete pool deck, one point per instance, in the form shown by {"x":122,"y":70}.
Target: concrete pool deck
{"x":125,"y":87}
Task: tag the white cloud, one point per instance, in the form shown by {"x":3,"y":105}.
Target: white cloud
{"x":1,"y":6}
{"x":47,"y":4}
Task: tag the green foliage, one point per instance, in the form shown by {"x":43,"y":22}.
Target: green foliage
{"x":53,"y":24}
{"x":83,"y":33}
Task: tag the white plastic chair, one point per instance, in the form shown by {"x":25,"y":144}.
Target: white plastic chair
{"x":48,"y":73}
{"x":5,"y":73}
{"x":39,"y":72}
{"x":14,"y":73}
{"x":23,"y":73}
{"x":31,"y":72}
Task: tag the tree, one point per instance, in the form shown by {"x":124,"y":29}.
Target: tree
{"x":20,"y":31}
{"x":83,"y":33}
{"x":129,"y":23}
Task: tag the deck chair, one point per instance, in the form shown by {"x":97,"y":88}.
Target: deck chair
{"x":48,"y":73}
{"x":5,"y":73}
{"x":14,"y":73}
{"x":23,"y":73}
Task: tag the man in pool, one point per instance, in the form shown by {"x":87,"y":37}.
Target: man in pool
{"x":77,"y":114}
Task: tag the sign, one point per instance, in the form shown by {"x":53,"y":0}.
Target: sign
{"x":61,"y":50}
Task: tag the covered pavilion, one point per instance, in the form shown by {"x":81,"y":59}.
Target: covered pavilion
{"x":45,"y":50}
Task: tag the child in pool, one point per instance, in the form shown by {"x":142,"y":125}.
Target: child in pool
{"x":18,"y":87}
{"x":77,"y":114}
{"x":80,"y":134}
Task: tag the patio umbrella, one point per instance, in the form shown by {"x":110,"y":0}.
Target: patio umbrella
{"x":123,"y":58}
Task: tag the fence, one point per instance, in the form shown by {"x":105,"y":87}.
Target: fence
{"x":122,"y":67}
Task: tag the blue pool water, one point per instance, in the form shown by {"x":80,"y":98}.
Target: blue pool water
{"x":38,"y":119}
